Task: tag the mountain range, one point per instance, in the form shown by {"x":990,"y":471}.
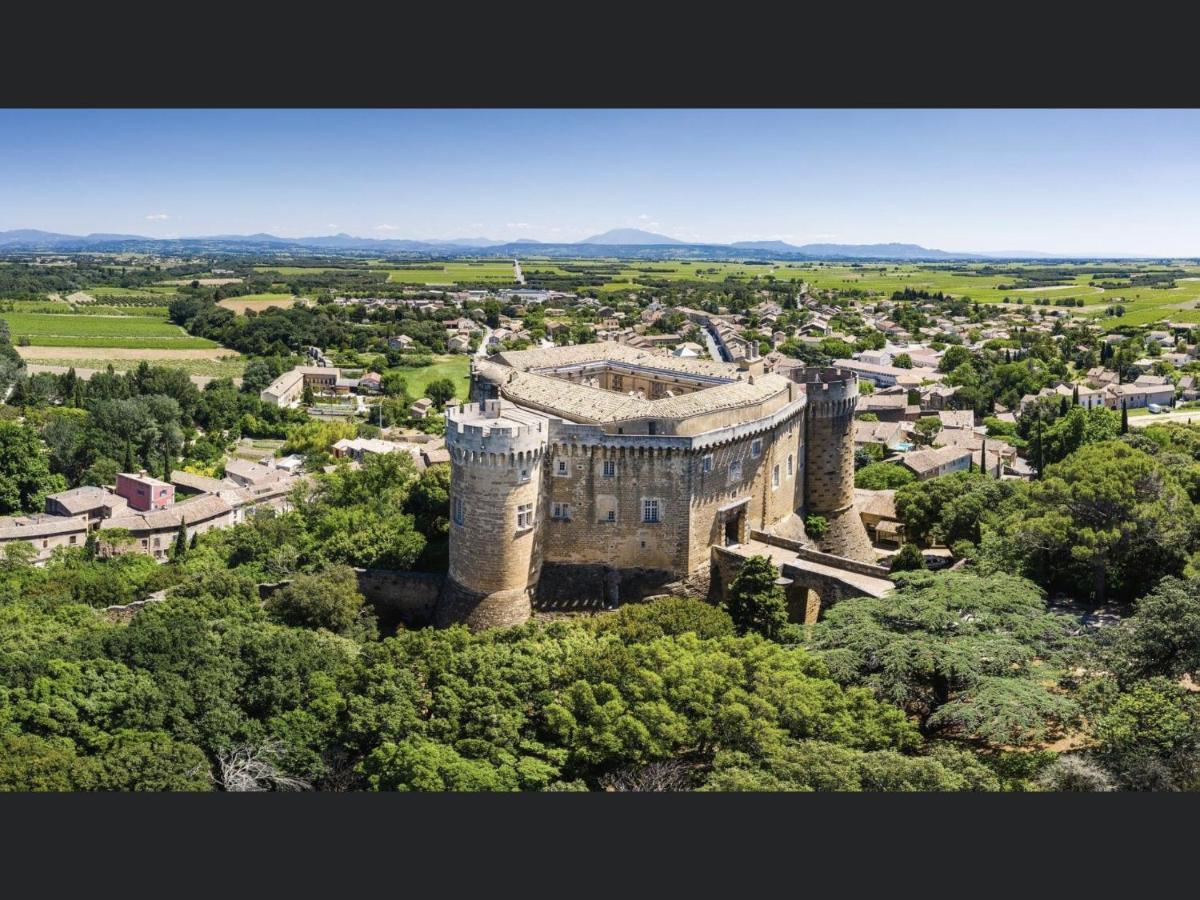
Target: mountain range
{"x":625,"y":242}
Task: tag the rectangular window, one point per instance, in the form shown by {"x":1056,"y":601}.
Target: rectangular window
{"x":561,"y":511}
{"x":459,"y":510}
{"x":756,"y":448}
{"x":735,"y":470}
{"x":789,"y":465}
{"x":74,"y":538}
{"x":707,"y":463}
{"x":650,"y":511}
{"x":612,"y":516}
{"x":775,"y":477}
{"x":525,"y":515}
{"x":610,"y":468}
{"x":524,"y":475}
{"x":560,"y":467}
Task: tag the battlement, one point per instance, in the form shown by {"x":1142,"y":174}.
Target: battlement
{"x":831,"y":391}
{"x":494,"y":427}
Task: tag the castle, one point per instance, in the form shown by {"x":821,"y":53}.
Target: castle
{"x":606,"y":464}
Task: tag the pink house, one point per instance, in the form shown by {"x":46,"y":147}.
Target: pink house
{"x":144,"y":493}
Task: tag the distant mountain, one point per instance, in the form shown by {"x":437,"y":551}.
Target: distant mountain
{"x":631,"y":243}
{"x":632,"y":237}
{"x":877,"y":251}
{"x":774,"y":246}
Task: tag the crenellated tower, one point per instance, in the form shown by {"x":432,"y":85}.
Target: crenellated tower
{"x":829,"y":459}
{"x":496,"y":457}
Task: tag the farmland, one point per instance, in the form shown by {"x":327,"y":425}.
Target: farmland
{"x":492,"y":271}
{"x":65,"y":330}
{"x":257,"y":302}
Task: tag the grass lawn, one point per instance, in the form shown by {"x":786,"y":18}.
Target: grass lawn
{"x":456,"y":368}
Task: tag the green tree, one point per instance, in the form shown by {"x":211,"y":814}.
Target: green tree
{"x":958,"y":651}
{"x":1162,"y":637}
{"x":440,"y":391}
{"x":908,"y":559}
{"x":25,"y":476}
{"x":755,"y":602}
{"x":1108,"y":520}
{"x":926,"y":430}
{"x":328,"y":599}
{"x":883,"y":476}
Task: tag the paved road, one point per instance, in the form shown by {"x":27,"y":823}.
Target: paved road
{"x":517,"y":273}
{"x":713,"y":349}
{"x":1183,"y":416}
{"x":481,"y":351}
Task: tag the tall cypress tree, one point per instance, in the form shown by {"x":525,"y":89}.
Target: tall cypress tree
{"x":1124,"y":417}
{"x":181,"y":542}
{"x":1075,"y":396}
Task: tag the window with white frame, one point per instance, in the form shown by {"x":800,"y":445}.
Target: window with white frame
{"x":790,"y":466}
{"x":610,"y":468}
{"x":525,"y":516}
{"x":735,"y":470}
{"x":650,"y":510}
{"x":706,"y":464}
{"x":560,"y":511}
{"x":775,"y":476}
{"x":561,"y":467}
{"x":756,"y":448}
{"x":458,"y":510}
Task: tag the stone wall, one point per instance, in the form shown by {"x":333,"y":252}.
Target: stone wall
{"x":401,"y":597}
{"x":596,"y":585}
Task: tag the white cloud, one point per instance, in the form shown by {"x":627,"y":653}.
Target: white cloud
{"x":331,"y":225}
{"x":157,"y":217}
{"x":643,"y":217}
{"x":385,"y":227}
{"x":517,"y":225}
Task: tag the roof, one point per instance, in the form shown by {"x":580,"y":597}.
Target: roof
{"x":732,"y":388}
{"x":875,"y":432}
{"x":251,"y":471}
{"x":875,"y":503}
{"x":82,"y":499}
{"x":190,"y":512}
{"x":921,"y":461}
{"x":40,"y":526}
{"x":958,"y":418}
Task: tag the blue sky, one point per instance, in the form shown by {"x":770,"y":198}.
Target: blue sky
{"x":1061,"y":181}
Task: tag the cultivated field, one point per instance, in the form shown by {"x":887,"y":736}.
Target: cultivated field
{"x":491,"y":271}
{"x":133,"y":332}
{"x":200,"y":364}
{"x":257,"y":302}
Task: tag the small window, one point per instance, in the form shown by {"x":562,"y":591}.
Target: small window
{"x":560,"y":467}
{"x":756,"y":448}
{"x":45,"y":544}
{"x":561,"y":511}
{"x":650,"y":511}
{"x":735,"y":470}
{"x":612,"y":516}
{"x":524,"y":475}
{"x":74,"y":538}
{"x":775,"y":476}
{"x":790,"y":469}
{"x":458,"y":510}
{"x":610,"y":468}
{"x":707,"y":463}
{"x":525,"y":516}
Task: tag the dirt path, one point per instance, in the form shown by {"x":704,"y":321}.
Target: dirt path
{"x":34,"y":353}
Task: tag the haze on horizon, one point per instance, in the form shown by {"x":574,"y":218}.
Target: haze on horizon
{"x":1072,"y":182}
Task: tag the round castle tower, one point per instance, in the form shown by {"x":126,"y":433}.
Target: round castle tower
{"x":829,"y":459}
{"x":496,"y":456}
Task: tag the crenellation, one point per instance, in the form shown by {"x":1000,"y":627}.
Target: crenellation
{"x":650,"y":485}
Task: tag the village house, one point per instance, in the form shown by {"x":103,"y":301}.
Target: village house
{"x":926,"y":464}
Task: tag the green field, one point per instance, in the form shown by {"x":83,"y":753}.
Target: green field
{"x":61,"y":330}
{"x":456,"y":368}
{"x":149,"y":290}
{"x":490,"y":271}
